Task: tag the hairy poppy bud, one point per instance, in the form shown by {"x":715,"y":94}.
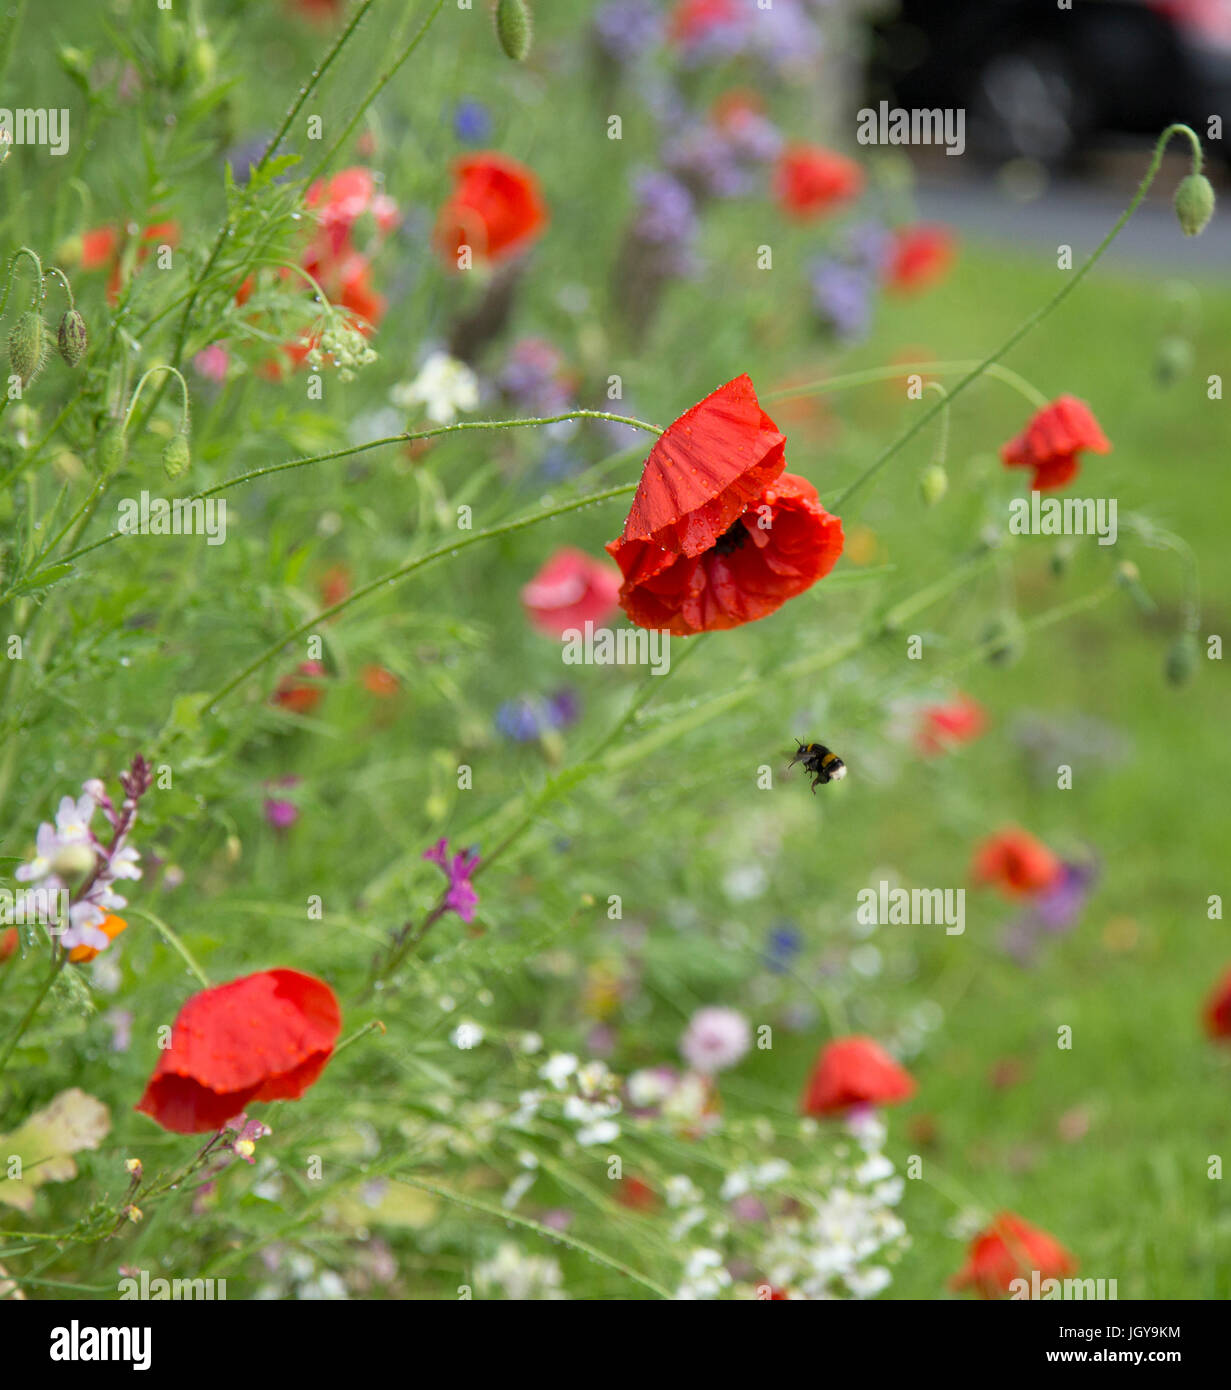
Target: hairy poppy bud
{"x":933,"y":484}
{"x":1194,"y":204}
{"x":175,"y":457}
{"x":1182,"y":660}
{"x":27,"y":346}
{"x":73,"y":337}
{"x":514,"y":28}
{"x":111,"y":450}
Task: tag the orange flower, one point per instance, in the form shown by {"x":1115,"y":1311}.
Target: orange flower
{"x":111,"y":926}
{"x":920,"y":256}
{"x":942,"y":727}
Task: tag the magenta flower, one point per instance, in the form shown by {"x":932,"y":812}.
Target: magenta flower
{"x":460,"y":896}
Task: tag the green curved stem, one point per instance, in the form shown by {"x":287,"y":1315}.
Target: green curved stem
{"x":1028,"y":323}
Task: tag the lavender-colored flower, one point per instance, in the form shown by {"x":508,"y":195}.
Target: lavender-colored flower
{"x":534,"y":377}
{"x":625,"y":29}
{"x":460,"y":896}
{"x":247,"y":1132}
{"x":869,"y":246}
{"x":715,"y":1038}
{"x":784,"y":35}
{"x":472,"y":122}
{"x":719,"y":38}
{"x":563,"y":708}
{"x":666,"y":215}
{"x":121,"y":1021}
{"x":842,"y":295}
{"x":782,"y":945}
{"x":1053,"y":912}
{"x":706,"y":162}
{"x":518,"y":720}
{"x":69,"y":852}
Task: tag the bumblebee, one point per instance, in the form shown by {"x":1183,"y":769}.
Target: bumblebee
{"x":824,"y":765}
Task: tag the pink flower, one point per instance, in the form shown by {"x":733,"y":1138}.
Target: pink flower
{"x":715,"y":1038}
{"x":460,"y":896}
{"x":570,"y":590}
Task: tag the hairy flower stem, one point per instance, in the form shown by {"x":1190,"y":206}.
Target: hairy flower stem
{"x":1027,"y":324}
{"x":305,"y":92}
{"x":59,"y":958}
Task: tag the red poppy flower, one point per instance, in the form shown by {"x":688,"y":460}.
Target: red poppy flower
{"x":1218,"y":1010}
{"x":810,"y":181}
{"x":98,"y":247}
{"x":495,"y":208}
{"x":341,"y":201}
{"x":854,"y":1071}
{"x":919,"y":256}
{"x":9,"y":942}
{"x":1052,"y":440}
{"x":1016,"y":863}
{"x":942,"y":727}
{"x":693,"y":21}
{"x":781,"y":545}
{"x":381,"y":682}
{"x":1011,"y":1249}
{"x":263,"y":1037}
{"x":298,"y":695}
{"x":570,"y":590}
{"x":637,"y":1195}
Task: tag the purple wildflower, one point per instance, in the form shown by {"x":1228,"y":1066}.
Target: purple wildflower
{"x":1053,"y":912}
{"x":460,"y":896}
{"x":472,"y":122}
{"x":842,"y":295}
{"x":782,"y":945}
{"x":535,"y":378}
{"x":706,"y":162}
{"x":625,"y":29}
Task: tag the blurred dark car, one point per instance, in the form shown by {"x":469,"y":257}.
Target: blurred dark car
{"x":1041,"y":82}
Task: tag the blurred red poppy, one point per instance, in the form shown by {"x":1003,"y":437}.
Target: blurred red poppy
{"x":854,"y":1071}
{"x":1052,"y":440}
{"x":570,"y":590}
{"x":1011,"y":1249}
{"x":1218,"y":1010}
{"x":266,"y":1037}
{"x":942,"y":727}
{"x":919,"y":257}
{"x":1016,"y":863}
{"x":299,"y":695}
{"x":810,"y":181}
{"x":495,"y":208}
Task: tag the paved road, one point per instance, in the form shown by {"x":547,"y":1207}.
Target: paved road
{"x":1073,"y":214}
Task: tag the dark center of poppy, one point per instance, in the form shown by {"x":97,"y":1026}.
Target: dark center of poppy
{"x":732,"y":539}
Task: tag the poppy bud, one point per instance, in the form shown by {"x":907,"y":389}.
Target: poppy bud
{"x":111,"y":450}
{"x":1182,"y":660}
{"x":1194,"y":204}
{"x":27,"y":346}
{"x":933,"y":484}
{"x":175,"y":457}
{"x":514,"y":28}
{"x":73,"y":338}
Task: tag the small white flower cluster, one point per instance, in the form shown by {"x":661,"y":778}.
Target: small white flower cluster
{"x":592,"y":1101}
{"x":513,"y":1274}
{"x":445,"y":388}
{"x":815,"y":1231}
